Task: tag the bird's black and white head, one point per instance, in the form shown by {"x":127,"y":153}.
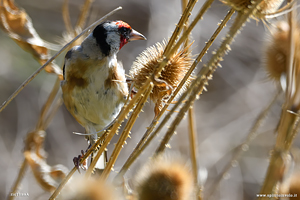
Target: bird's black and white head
{"x":111,"y":36}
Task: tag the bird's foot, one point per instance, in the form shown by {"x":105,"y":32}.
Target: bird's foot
{"x":77,"y":161}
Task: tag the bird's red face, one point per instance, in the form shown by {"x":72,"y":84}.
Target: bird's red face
{"x":124,"y":28}
{"x":127,"y":34}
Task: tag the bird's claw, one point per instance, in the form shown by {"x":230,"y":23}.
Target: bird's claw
{"x":77,"y":161}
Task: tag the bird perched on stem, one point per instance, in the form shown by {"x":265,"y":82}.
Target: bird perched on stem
{"x":94,"y":86}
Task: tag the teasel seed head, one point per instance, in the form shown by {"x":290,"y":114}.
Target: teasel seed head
{"x":149,"y":60}
{"x":88,"y":189}
{"x":277,"y":50}
{"x":264,"y":8}
{"x":164,"y":179}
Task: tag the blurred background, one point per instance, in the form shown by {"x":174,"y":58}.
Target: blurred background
{"x":224,"y":114}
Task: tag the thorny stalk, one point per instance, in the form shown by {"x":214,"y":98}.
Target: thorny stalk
{"x":291,"y":69}
{"x":168,"y":54}
{"x":182,"y":22}
{"x":29,"y":79}
{"x":197,"y":85}
{"x":184,"y":4}
{"x":123,"y":114}
{"x":193,"y":142}
{"x":21,"y":174}
{"x":192,"y":129}
{"x":206,"y":72}
{"x":193,"y":149}
{"x":289,"y":119}
{"x":143,"y":142}
{"x":125,"y":134}
{"x":84,"y":157}
{"x":251,"y":136}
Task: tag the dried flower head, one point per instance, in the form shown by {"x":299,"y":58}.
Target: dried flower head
{"x":149,"y":60}
{"x":88,"y":189}
{"x":164,"y":179}
{"x":265,"y":7}
{"x":277,"y":50}
{"x":48,"y":177}
{"x":18,"y":25}
{"x":34,"y":142}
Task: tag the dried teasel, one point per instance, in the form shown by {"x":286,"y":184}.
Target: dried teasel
{"x":18,"y":25}
{"x":264,"y":8}
{"x":81,"y":188}
{"x":277,"y":50}
{"x":34,"y":142}
{"x":164,"y":178}
{"x":149,"y":60}
{"x":49,"y":177}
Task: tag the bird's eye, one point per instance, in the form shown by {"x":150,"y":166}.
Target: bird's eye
{"x":123,"y":30}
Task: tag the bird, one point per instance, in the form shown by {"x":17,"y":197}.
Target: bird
{"x":94,"y":87}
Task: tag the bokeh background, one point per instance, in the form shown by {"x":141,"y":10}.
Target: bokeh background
{"x":224,"y":114}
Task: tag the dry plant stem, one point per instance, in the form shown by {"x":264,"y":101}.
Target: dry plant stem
{"x":191,"y":119}
{"x":84,"y":13}
{"x":47,"y":105}
{"x":291,"y":70}
{"x":251,"y":136}
{"x":85,"y":156}
{"x":53,"y":112}
{"x":286,"y":128}
{"x":192,"y":139}
{"x":138,"y":149}
{"x":21,"y":174}
{"x":198,"y":84}
{"x":184,"y":4}
{"x":168,"y":54}
{"x":125,"y":134}
{"x":206,"y":72}
{"x":289,"y":120}
{"x":185,"y":15}
{"x":193,"y":150}
{"x":124,"y":112}
{"x":66,"y":17}
{"x":28,"y":80}
{"x":292,"y":102}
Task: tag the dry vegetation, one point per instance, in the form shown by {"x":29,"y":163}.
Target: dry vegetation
{"x":237,"y":141}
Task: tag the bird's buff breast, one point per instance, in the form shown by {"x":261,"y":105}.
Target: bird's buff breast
{"x":96,"y":103}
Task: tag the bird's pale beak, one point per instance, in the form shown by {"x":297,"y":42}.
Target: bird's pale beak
{"x":134,"y":35}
